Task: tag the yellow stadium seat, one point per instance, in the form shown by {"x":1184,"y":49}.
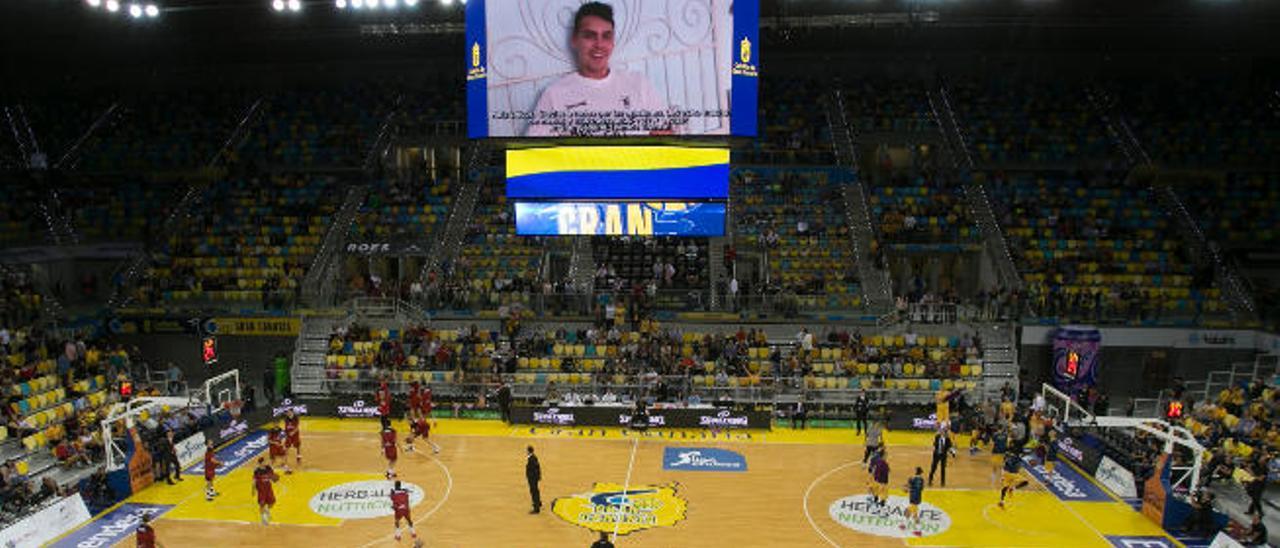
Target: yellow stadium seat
{"x":975,"y":370}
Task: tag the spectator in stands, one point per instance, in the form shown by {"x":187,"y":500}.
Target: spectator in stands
{"x":175,"y":379}
{"x":1201,"y":522}
{"x":1257,"y":535}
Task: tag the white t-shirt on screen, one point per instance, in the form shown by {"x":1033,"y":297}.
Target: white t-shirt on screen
{"x":589,"y":107}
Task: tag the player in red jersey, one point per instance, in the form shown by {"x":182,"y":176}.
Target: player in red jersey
{"x":427,"y":405}
{"x":275,"y":441}
{"x":211,"y":464}
{"x":400,"y":504}
{"x":146,"y":537}
{"x":419,"y":427}
{"x":292,"y":436}
{"x":263,"y":477}
{"x":415,"y":396}
{"x":384,"y":399}
{"x":389,"y":446}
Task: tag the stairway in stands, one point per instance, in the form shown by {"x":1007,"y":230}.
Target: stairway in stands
{"x":999,"y":359}
{"x":309,"y":351}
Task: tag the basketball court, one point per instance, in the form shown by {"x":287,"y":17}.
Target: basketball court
{"x":790,"y":488}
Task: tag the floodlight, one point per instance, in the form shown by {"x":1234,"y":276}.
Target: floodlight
{"x":411,"y":3}
{"x":446,"y":3}
{"x":342,"y":4}
{"x":135,"y":11}
{"x":152,"y":11}
{"x":295,"y":5}
{"x":277,"y":5}
{"x":389,"y":3}
{"x":113,"y":6}
{"x":94,"y":3}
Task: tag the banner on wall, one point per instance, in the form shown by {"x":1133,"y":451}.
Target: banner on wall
{"x":1116,"y":478}
{"x":267,"y":327}
{"x":1075,"y":357}
{"x":191,"y":450}
{"x":47,"y":524}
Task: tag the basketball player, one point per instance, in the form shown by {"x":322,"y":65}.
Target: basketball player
{"x":146,"y":536}
{"x":419,"y":427}
{"x":1011,"y":480}
{"x":879,"y":478}
{"x":915,"y":491}
{"x":415,"y":396}
{"x":275,"y":441}
{"x":427,"y":404}
{"x":389,"y":446}
{"x":942,"y":406}
{"x":384,"y":399}
{"x":999,"y":446}
{"x":1048,"y":451}
{"x":1007,"y":410}
{"x":292,"y":437}
{"x":263,"y":477}
{"x":211,"y":464}
{"x":400,"y":504}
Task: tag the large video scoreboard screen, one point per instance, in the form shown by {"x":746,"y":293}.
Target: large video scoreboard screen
{"x":619,"y":190}
{"x":612,"y":68}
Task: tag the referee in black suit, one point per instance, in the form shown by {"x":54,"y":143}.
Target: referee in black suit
{"x":941,"y":448}
{"x":533,"y":473}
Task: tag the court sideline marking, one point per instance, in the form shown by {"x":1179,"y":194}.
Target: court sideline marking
{"x":635,"y":442}
{"x":808,"y":491}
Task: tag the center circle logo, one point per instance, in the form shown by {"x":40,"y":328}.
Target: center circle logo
{"x":858,"y":513}
{"x":361,"y":499}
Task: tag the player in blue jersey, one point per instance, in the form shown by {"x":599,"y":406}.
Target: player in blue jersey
{"x":999,"y":446}
{"x":1011,"y":479}
{"x":915,"y":491}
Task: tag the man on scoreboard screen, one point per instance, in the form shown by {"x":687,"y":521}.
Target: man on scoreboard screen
{"x":598,"y":100}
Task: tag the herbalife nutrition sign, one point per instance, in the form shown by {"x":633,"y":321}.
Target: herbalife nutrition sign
{"x":856,"y":512}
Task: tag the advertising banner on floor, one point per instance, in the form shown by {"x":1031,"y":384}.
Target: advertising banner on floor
{"x":111,"y":528}
{"x":700,"y":459}
{"x":1065,"y":483}
{"x":231,"y":456}
{"x":47,"y":524}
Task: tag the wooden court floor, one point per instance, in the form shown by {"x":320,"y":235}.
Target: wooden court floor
{"x":475,"y":495}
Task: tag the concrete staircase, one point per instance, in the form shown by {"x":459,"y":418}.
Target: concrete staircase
{"x":999,"y":359}
{"x":320,"y":283}
{"x":877,"y":291}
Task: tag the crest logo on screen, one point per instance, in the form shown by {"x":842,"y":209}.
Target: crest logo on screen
{"x":744,"y":66}
{"x":477,"y":68}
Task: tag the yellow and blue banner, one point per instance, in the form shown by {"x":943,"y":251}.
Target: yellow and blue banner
{"x":618,"y":173}
{"x":705,"y":219}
